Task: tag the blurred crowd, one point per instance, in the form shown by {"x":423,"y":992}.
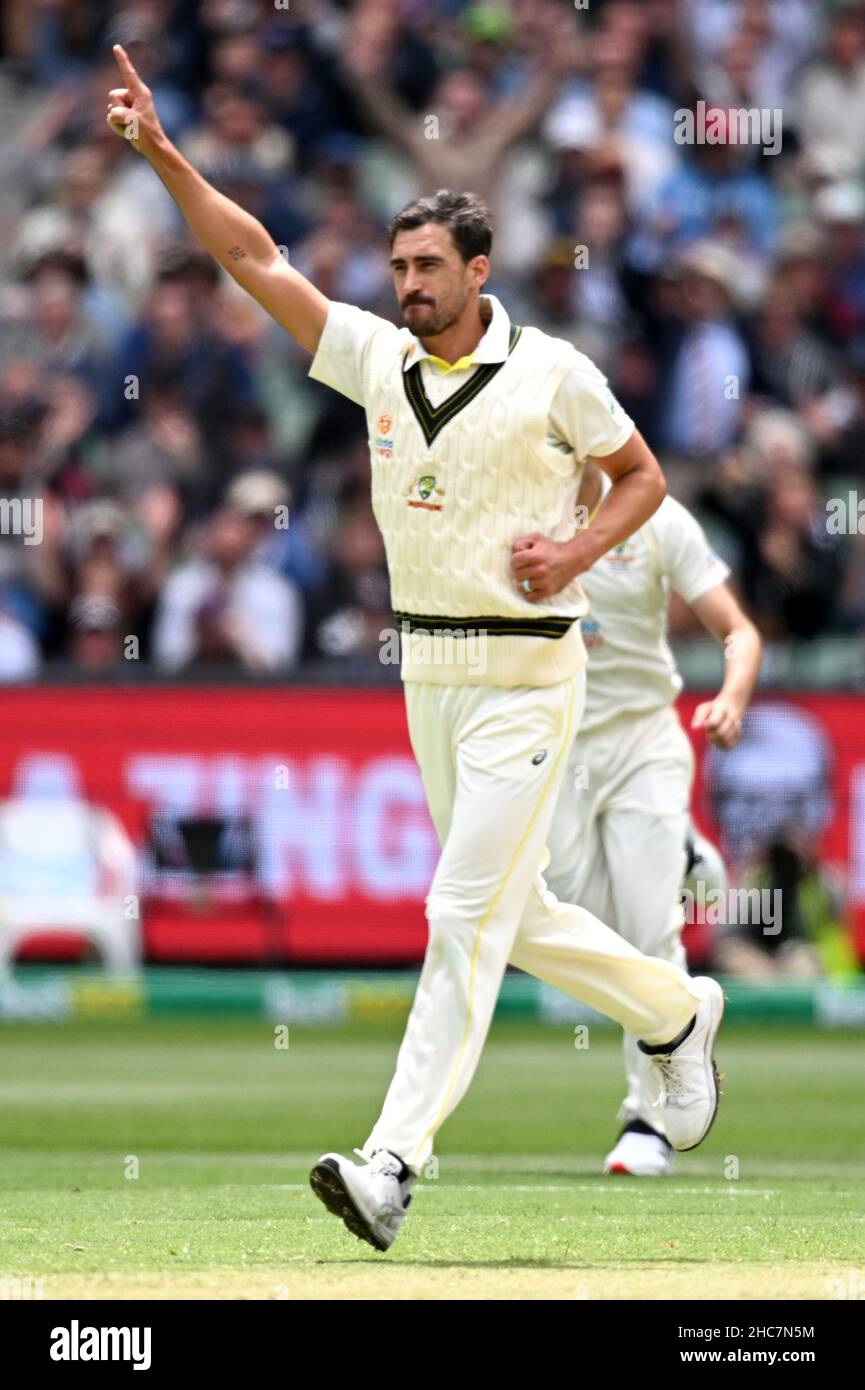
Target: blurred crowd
{"x":204,"y":504}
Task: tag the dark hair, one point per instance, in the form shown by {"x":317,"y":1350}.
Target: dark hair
{"x":467,"y":217}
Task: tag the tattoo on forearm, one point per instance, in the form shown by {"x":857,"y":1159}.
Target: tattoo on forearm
{"x":237,"y":253}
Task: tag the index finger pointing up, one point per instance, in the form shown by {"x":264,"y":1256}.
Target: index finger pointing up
{"x":124,"y":62}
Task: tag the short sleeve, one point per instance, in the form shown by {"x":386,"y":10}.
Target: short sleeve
{"x":688,"y":559}
{"x":342,"y":359}
{"x":586,"y":414}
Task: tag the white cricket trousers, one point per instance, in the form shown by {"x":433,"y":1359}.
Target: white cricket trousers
{"x":492,"y":760}
{"x":617,"y":842}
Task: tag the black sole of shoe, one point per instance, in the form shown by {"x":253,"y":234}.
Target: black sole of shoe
{"x":328,"y":1186}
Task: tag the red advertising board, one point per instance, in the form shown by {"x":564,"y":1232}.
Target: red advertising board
{"x":344,"y":846}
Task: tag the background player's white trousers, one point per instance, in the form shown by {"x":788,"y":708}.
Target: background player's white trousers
{"x":617,"y":845}
{"x":492,"y":761}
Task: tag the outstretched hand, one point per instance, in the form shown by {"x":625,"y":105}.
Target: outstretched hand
{"x":131,"y":113}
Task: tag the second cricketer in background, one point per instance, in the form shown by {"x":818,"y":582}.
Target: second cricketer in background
{"x":618,"y":834}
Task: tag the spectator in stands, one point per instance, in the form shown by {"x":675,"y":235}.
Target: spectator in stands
{"x":66,"y":223}
{"x":179,"y":343}
{"x":765,"y":496}
{"x":95,"y":639}
{"x":463,"y":140}
{"x":609,"y":123}
{"x":303,"y":87}
{"x":802,"y":269}
{"x":779,"y":38}
{"x":552,"y":291}
{"x":792,"y":567}
{"x":66,"y":413}
{"x":56,"y":328}
{"x":225,"y":607}
{"x":349,"y":615}
{"x":835,"y":83}
{"x":285,"y":540}
{"x":807,"y":936}
{"x":112,"y":566}
{"x":713,"y":183}
{"x":236,"y":132}
{"x":20,"y":657}
{"x":841,"y":211}
{"x":345,"y":255}
{"x":842,"y":438}
{"x":598,"y":293}
{"x":707,"y":369}
{"x":792,"y":366}
{"x":33,"y":575}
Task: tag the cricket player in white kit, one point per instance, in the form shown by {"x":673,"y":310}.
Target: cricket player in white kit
{"x":477,"y":433}
{"x":618,"y":835}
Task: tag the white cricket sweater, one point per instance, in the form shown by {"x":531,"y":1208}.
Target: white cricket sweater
{"x":457,"y":478}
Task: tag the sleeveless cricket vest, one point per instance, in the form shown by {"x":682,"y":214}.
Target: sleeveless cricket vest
{"x":453,"y":487}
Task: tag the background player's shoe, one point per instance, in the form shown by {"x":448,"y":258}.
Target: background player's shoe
{"x":640,"y":1151}
{"x":687,"y":1072}
{"x":371,"y":1198}
{"x":704,"y":864}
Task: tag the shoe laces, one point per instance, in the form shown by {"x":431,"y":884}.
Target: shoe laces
{"x":385,"y":1164}
{"x":382,"y":1161}
{"x":671,"y":1073}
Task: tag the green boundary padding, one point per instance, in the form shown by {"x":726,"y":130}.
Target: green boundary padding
{"x":309,"y":997}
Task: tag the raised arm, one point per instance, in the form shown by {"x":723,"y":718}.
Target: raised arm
{"x":236,"y":240}
{"x":382,"y":107}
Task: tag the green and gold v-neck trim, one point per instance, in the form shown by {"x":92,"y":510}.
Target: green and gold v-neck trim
{"x":433,"y":418}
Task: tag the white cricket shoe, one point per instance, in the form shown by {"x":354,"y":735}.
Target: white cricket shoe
{"x":370,"y":1198}
{"x":705,"y":865}
{"x":640,"y":1152}
{"x":687,"y":1074}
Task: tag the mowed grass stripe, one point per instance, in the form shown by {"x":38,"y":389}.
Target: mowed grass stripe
{"x":224,"y":1127}
{"x":789,"y":1094}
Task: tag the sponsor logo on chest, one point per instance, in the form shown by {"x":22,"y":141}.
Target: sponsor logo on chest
{"x":384,"y":438}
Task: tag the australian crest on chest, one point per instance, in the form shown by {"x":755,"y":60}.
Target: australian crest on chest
{"x":427,"y":452}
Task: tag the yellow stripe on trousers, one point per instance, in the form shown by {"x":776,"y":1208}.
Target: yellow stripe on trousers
{"x":563,"y":753}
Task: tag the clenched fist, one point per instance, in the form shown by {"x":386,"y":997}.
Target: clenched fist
{"x":130,"y":108}
{"x":542,"y":567}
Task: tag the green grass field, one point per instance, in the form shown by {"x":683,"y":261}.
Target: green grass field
{"x":224,"y":1128}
